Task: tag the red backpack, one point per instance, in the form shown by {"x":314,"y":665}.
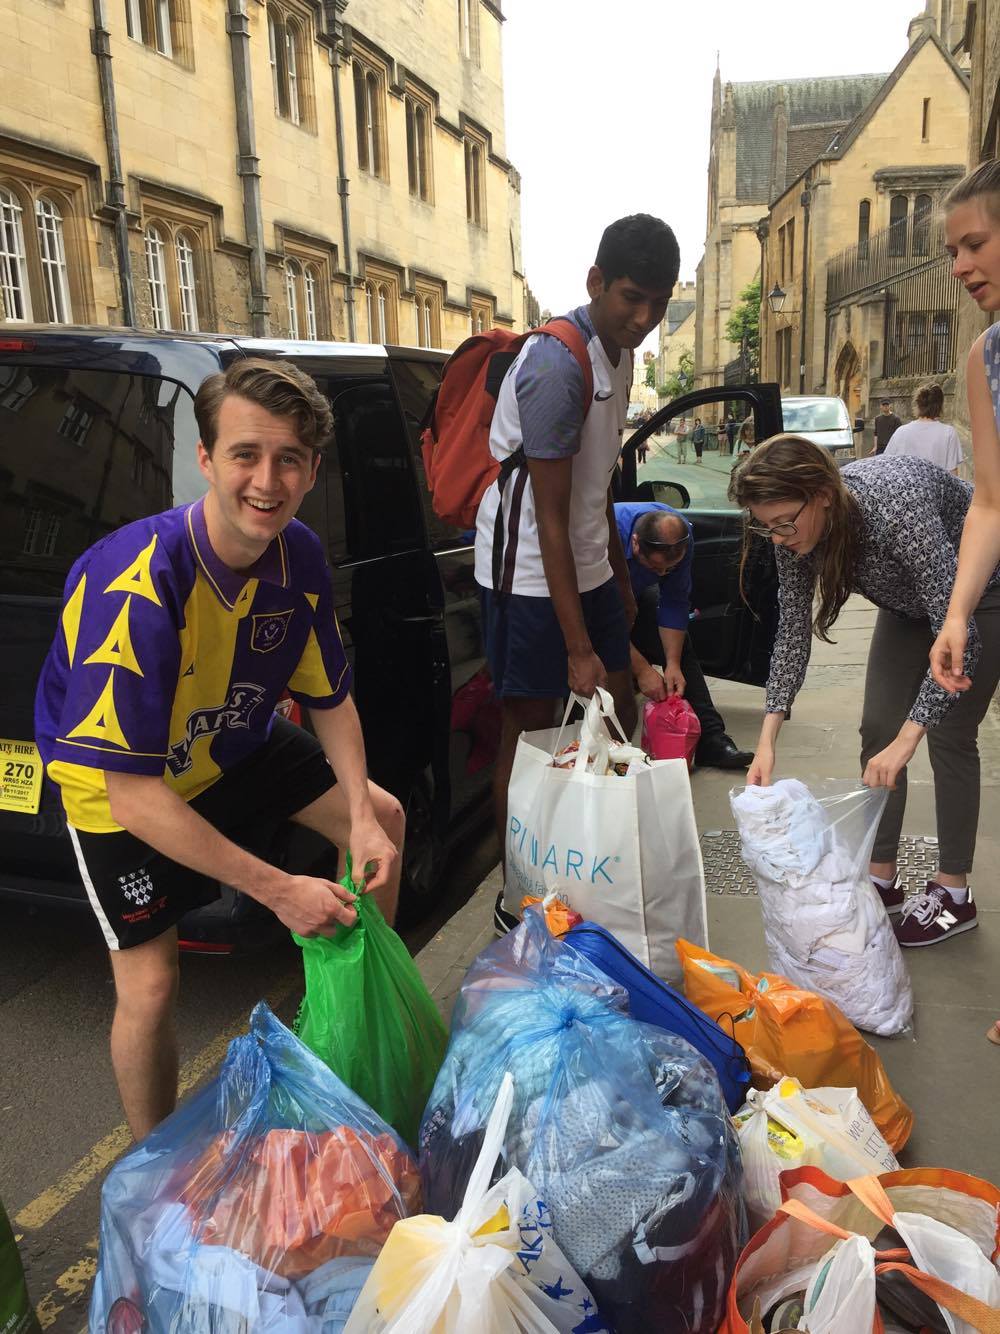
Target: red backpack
{"x":456,"y":440}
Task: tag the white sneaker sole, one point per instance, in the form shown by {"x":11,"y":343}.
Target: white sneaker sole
{"x":955,"y":931}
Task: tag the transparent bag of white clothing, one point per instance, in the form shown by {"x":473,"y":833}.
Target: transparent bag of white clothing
{"x":826,"y":927}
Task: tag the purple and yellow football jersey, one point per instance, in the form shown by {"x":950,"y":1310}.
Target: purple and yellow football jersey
{"x":168,"y":663}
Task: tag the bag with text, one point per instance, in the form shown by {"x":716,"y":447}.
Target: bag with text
{"x":614,"y":831}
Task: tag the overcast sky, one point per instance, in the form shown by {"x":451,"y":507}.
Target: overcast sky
{"x":608,"y":105}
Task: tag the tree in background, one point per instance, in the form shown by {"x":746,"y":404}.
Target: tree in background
{"x":682,"y":378}
{"x":743,"y":329}
{"x":651,"y":374}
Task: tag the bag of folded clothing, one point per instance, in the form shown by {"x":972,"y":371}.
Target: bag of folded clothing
{"x":259,"y":1205}
{"x":826,"y":927}
{"x":620,"y":1127}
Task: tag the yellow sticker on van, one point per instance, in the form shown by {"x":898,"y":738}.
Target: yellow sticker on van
{"x":20,"y":776}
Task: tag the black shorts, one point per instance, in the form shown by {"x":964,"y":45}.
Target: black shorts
{"x":138,"y":893}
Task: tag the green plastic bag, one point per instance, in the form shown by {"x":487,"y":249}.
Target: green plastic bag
{"x":16,"y":1315}
{"x":368,"y":1015}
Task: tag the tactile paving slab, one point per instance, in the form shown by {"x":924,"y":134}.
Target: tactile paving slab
{"x":725,"y":872}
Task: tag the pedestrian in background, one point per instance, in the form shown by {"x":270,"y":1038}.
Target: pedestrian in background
{"x":731,"y":427}
{"x":889,"y":529}
{"x":884,"y":426}
{"x":927,"y":437}
{"x":972,"y":236}
{"x":681,"y":436}
{"x":698,"y":439}
{"x":747,"y":437}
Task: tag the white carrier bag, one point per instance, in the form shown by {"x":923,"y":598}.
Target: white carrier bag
{"x":624,"y":851}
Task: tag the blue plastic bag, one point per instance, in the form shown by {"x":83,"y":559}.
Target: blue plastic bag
{"x":621,"y":1127}
{"x":259,"y":1205}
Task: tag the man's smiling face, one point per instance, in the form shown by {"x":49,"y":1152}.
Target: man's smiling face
{"x":258,"y":474}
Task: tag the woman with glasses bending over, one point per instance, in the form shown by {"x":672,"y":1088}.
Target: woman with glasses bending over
{"x":889,"y":529}
{"x":972,"y":238}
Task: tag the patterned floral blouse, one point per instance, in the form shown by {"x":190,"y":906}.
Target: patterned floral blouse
{"x":912,"y":514}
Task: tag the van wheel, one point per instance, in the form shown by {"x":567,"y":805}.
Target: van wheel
{"x":423,"y":854}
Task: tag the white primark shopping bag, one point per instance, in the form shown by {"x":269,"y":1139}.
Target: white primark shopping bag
{"x":623,"y":850}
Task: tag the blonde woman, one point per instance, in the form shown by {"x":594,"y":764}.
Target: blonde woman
{"x":972,"y":233}
{"x":889,"y":529}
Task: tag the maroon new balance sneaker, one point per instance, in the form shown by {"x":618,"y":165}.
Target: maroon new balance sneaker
{"x":892,"y":897}
{"x":934,"y":916}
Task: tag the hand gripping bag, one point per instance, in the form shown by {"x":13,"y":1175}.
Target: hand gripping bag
{"x":825,"y":926}
{"x":624,"y":849}
{"x":620,"y":1127}
{"x":789,"y":1126}
{"x":786,"y":1030}
{"x":654,"y":1002}
{"x":670,"y":729}
{"x":369,"y":1016}
{"x":495,"y":1268}
{"x":927,"y":1234}
{"x":258,"y":1205}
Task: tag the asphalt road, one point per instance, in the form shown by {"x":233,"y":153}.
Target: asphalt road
{"x":61,"y":1125}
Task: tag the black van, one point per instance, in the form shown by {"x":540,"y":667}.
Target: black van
{"x":97,"y":428}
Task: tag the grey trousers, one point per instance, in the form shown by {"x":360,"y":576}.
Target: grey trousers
{"x":897,"y":663}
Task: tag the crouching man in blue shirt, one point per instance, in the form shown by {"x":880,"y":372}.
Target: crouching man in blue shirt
{"x":155,"y":713}
{"x":659,"y":549}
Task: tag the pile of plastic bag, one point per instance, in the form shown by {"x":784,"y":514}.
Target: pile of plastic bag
{"x":620,"y":1127}
{"x":826,"y":927}
{"x":259,"y":1205}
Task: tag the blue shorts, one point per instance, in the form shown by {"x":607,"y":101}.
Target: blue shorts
{"x":525,"y":646}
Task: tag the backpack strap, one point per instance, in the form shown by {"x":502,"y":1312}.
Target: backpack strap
{"x":505,"y":554}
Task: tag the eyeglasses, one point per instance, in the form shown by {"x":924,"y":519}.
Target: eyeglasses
{"x":787,"y":529}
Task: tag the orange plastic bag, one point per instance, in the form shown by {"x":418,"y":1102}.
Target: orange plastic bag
{"x":786,"y":1030}
{"x":817,"y":1207}
{"x":559,"y":916}
{"x":308,"y":1198}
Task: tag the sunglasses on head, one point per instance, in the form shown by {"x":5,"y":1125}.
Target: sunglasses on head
{"x":651,"y":548}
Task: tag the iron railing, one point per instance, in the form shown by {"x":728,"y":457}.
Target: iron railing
{"x":905,"y":247}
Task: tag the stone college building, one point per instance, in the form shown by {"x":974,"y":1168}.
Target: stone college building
{"x":288,"y":168}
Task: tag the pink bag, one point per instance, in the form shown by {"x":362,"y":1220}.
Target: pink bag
{"x":670,"y":729}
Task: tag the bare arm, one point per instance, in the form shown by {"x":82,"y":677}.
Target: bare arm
{"x":551,"y":484}
{"x":980,"y":549}
{"x":339,"y":733}
{"x":154,"y":813}
{"x":673,"y":647}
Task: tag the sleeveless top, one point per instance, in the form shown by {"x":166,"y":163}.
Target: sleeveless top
{"x":991,"y":355}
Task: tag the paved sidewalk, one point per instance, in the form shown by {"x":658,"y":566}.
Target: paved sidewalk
{"x":947,"y":1071}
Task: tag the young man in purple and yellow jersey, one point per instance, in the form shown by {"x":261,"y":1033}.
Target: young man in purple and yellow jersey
{"x":155,"y":713}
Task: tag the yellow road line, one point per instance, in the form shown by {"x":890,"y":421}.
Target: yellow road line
{"x":71,"y":1283}
{"x":44,"y":1208}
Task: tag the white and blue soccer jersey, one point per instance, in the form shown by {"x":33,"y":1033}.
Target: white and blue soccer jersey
{"x":168,"y":663}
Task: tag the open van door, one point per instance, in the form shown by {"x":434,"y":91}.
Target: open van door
{"x":732,"y":637}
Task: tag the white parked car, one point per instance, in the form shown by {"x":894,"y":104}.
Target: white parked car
{"x":823,"y":420}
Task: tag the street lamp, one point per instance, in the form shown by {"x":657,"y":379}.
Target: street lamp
{"x":776,"y":299}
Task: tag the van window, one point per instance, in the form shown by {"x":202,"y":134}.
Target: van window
{"x":81,"y":453}
{"x":370,"y":492}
